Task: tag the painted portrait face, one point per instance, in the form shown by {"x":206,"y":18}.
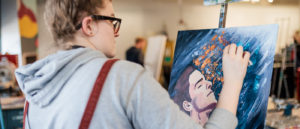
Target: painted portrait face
{"x":203,"y":100}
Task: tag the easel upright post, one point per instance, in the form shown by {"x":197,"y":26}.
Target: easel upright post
{"x":223,"y":13}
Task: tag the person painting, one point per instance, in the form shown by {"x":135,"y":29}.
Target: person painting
{"x":135,"y":53}
{"x":297,"y":44}
{"x":194,"y":95}
{"x":297,"y":59}
{"x":58,"y":88}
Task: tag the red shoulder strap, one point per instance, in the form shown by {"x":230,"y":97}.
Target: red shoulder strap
{"x":94,"y":97}
{"x":93,"y":100}
{"x":25,"y":113}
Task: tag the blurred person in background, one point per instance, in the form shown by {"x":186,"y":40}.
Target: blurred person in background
{"x":297,"y":43}
{"x":135,"y":53}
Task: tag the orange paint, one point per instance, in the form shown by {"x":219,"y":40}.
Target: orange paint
{"x":214,"y":80}
{"x":207,"y":61}
{"x":220,"y":40}
{"x":206,"y":52}
{"x":197,"y":62}
{"x":214,"y":38}
{"x":215,"y":65}
{"x":213,"y":47}
{"x":209,"y":78}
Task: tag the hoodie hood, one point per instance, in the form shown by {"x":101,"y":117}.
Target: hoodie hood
{"x":42,"y":81}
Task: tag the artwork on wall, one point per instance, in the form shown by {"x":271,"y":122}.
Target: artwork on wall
{"x":196,"y":78}
{"x":215,"y":2}
{"x":28,"y":25}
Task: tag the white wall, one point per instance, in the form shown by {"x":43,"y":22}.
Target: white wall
{"x":10,"y":34}
{"x":46,"y":43}
{"x":286,"y":16}
{"x":147,"y":18}
{"x":133,"y":24}
{"x":197,"y":16}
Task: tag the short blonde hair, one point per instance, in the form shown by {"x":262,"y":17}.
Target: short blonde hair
{"x":139,"y":39}
{"x":62,"y":16}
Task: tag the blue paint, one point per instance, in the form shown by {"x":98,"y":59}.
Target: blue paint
{"x":258,"y":40}
{"x":239,"y":44}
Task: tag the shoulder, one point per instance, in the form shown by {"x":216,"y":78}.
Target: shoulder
{"x":128,"y":73}
{"x":123,"y":66}
{"x":130,"y":49}
{"x":119,"y":67}
{"x":121,"y":70}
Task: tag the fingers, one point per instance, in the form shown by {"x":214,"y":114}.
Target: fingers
{"x":240,"y":51}
{"x":246,"y":58}
{"x":226,"y":50}
{"x":232,"y":49}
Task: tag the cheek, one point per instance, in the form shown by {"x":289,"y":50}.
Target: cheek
{"x":105,"y":29}
{"x":108,"y":28}
{"x":106,"y":36}
{"x":201,"y":99}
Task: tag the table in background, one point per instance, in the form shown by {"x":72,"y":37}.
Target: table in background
{"x":12,"y":108}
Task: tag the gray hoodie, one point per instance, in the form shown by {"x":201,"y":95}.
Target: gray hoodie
{"x":58,"y":87}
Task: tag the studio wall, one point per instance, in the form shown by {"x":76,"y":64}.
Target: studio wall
{"x":148,"y":18}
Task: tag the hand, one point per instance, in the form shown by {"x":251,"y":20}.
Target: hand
{"x":235,"y":63}
{"x":298,"y":69}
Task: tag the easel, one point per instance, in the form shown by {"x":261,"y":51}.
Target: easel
{"x":223,"y":14}
{"x":282,"y":77}
{"x":282,"y":65}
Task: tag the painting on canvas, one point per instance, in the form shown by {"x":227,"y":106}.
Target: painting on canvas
{"x":196,"y":77}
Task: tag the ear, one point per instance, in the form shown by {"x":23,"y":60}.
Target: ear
{"x":88,"y":28}
{"x":187,"y":106}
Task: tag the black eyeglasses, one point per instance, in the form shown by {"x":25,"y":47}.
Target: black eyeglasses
{"x":115,"y":21}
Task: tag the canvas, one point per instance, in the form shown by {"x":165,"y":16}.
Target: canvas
{"x":215,"y":2}
{"x":154,"y":55}
{"x":196,"y":77}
